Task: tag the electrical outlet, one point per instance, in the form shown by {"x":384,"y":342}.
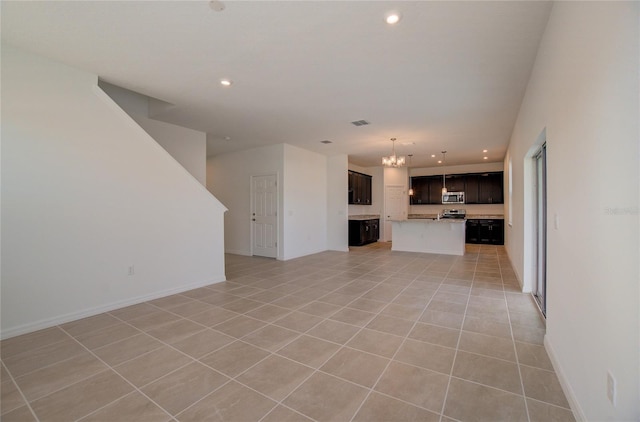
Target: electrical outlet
{"x":132,"y":270}
{"x":611,"y":388}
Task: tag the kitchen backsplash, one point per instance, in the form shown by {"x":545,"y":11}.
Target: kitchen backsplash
{"x":470,"y":208}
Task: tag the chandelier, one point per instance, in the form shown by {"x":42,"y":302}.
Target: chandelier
{"x":393,"y":160}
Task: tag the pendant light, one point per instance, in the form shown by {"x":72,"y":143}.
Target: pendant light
{"x":444,"y":183}
{"x":409,"y":173}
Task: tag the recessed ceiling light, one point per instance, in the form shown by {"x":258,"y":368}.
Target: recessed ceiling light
{"x":433,"y":156}
{"x":227,"y":138}
{"x":226,"y":82}
{"x":439,"y":161}
{"x":486,"y":158}
{"x":485,"y":150}
{"x":392,"y":18}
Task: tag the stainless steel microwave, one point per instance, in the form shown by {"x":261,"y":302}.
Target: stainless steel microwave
{"x":453,"y":198}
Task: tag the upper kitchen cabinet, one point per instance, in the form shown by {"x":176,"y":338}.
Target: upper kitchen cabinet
{"x":471,"y":189}
{"x":359,"y":188}
{"x":490,"y":188}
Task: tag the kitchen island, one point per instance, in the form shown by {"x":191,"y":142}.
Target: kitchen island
{"x":428,"y":234}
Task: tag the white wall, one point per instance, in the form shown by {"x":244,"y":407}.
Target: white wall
{"x":305,"y":202}
{"x":583,"y":94}
{"x":86,"y":194}
{"x":337,"y":208}
{"x":229,"y":179}
{"x":187,"y":146}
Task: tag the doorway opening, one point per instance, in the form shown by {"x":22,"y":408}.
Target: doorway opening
{"x":264,"y":216}
{"x":539,"y":289}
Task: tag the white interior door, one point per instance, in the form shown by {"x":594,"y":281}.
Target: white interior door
{"x":395,"y":207}
{"x":264,"y":215}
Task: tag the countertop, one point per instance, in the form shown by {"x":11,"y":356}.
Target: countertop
{"x":364,"y":217}
{"x":485,"y":216}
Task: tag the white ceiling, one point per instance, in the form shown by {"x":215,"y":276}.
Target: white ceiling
{"x":449,"y":76}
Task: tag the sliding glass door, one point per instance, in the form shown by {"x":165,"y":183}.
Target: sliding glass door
{"x":540,"y":232}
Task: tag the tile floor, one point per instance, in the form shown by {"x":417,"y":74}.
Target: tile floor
{"x":369,"y":335}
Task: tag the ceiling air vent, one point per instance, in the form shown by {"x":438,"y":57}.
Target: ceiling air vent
{"x":360,"y":123}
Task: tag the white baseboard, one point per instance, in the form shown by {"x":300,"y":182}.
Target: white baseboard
{"x":578,"y":413}
{"x":61,"y":319}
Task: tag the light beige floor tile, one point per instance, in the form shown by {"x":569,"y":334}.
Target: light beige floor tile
{"x":176,"y":330}
{"x":203,"y":342}
{"x":403,"y":311}
{"x":380,"y":408}
{"x":134,"y":311}
{"x":435,"y":334}
{"x":291,"y":302}
{"x":81,"y":398}
{"x":487,"y":326}
{"x":298,"y":321}
{"x":89,"y":324}
{"x":356,"y":366}
{"x":44,"y":381}
{"x":153,"y":320}
{"x":339,"y":299}
{"x":151,"y":366}
{"x":411,"y":301}
{"x":467,"y":401}
{"x":367,"y":305}
{"x":426,"y":355}
{"x":20,"y":344}
{"x":320,"y":309}
{"x":528,"y":319}
{"x":21,"y":414}
{"x":333,"y":331}
{"x":219,"y":298}
{"x":496,"y":347}
{"x":325,"y":398}
{"x":239,"y":326}
{"x":283,"y":414}
{"x":443,"y":319}
{"x":543,"y":412}
{"x":242,"y":305}
{"x":542,"y":385}
{"x":266,"y":296}
{"x":488,"y":371}
{"x":199,"y":293}
{"x":190,"y":308}
{"x":481,"y":312}
{"x":376,"y":342}
{"x":353,"y":317}
{"x":391,"y":325}
{"x":111,"y":334}
{"x":10,"y":397}
{"x":421,"y":387}
{"x":129,"y":348}
{"x":528,"y":334}
{"x":245,"y":290}
{"x":446,"y":296}
{"x":213,"y":316}
{"x":275,"y":377}
{"x":232,"y":402}
{"x":183,"y":387}
{"x":4,"y":375}
{"x":235,"y":358}
{"x":133,"y":407}
{"x":171,"y":301}
{"x":533,"y":355}
{"x":308,"y":350}
{"x":268,"y":313}
{"x":270,"y":337}
{"x":33,"y":359}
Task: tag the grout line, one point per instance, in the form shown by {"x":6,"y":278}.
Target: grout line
{"x":24,"y":398}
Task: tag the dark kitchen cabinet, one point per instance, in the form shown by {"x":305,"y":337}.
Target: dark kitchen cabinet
{"x":471,"y":189}
{"x":359,"y":188}
{"x":362,"y":232}
{"x":490,"y":188}
{"x":485,"y":232}
{"x":479,"y":188}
